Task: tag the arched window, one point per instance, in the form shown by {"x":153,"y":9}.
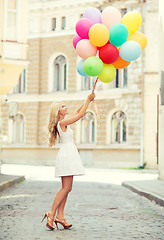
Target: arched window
{"x":60,"y":74}
{"x":88,"y":128}
{"x":18,"y":128}
{"x":119,"y":127}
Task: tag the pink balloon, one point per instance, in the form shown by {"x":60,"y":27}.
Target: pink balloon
{"x":83,"y":26}
{"x":110,"y":16}
{"x":86,"y":49}
{"x":76,"y":39}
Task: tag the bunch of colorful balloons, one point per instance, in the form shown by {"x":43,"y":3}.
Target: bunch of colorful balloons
{"x":106,"y":42}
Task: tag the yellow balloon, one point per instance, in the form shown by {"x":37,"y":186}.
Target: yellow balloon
{"x":108,"y":73}
{"x":140,"y":38}
{"x":99,"y":35}
{"x":132,"y":20}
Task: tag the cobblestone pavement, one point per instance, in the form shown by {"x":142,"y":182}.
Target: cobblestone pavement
{"x":96,"y":210}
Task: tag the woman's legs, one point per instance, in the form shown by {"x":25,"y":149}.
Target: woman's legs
{"x":60,"y":210}
{"x":61,"y":196}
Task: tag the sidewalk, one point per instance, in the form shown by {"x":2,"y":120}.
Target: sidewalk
{"x":8,"y":180}
{"x":151,"y":189}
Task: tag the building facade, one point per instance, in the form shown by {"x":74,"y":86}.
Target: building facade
{"x":161,"y":100}
{"x":125,"y":135}
{"x":13,"y":42}
{"x":13,"y":51}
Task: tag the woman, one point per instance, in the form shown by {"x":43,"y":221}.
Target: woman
{"x":68,"y":162}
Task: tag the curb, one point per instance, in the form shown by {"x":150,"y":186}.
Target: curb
{"x":11,"y":182}
{"x":151,"y":196}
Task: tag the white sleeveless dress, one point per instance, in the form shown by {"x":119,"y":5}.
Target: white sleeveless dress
{"x":68,"y":161}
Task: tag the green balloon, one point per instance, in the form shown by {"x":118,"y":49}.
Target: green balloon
{"x":93,"y":66}
{"x":108,"y":74}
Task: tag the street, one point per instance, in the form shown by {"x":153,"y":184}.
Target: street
{"x":96,"y":210}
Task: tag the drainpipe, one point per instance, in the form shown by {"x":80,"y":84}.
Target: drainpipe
{"x":142,"y":142}
{"x":141,"y":163}
{"x":157,"y":127}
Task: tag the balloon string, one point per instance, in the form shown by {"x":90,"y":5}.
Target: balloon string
{"x":95,"y":84}
{"x":97,"y":109}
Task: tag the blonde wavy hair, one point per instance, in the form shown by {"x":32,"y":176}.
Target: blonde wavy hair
{"x":53,"y":121}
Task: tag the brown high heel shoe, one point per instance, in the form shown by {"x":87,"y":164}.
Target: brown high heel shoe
{"x":49,"y":221}
{"x":63,"y":222}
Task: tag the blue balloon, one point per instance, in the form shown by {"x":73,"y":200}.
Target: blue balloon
{"x":130,"y":50}
{"x":80,"y":68}
{"x":118,"y":34}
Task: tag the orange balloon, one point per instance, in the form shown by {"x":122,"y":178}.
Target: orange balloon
{"x":120,"y":63}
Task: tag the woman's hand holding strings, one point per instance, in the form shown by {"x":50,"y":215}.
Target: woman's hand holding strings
{"x":91,"y":96}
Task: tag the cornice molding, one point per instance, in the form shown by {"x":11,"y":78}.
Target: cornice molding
{"x":34,"y":7}
{"x":78,"y":96}
{"x":52,"y":34}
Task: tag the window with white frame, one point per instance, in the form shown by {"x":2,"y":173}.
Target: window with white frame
{"x":87,"y":83}
{"x":119,"y":127}
{"x":53,"y":24}
{"x":121,"y":79}
{"x":88,"y":128}
{"x":63,"y":26}
{"x":11,"y":20}
{"x":21,"y":86}
{"x":18,"y":129}
{"x":60,"y":74}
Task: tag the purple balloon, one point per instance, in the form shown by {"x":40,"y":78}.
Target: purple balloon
{"x":76,"y":39}
{"x":83,"y":26}
{"x":93,"y":14}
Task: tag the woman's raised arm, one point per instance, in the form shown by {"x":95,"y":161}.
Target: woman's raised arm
{"x":80,"y":114}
